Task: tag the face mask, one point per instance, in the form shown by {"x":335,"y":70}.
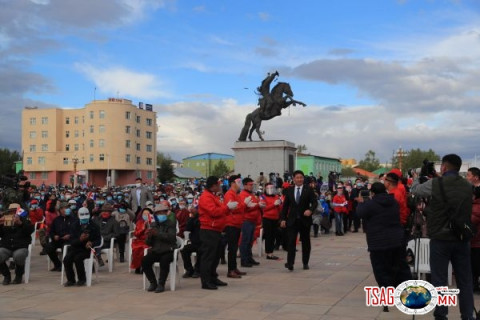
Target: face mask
{"x":62,"y":197}
{"x":174,"y":203}
{"x":37,"y":197}
{"x":160,"y":218}
{"x":270,"y":190}
{"x":119,"y":197}
{"x":68,"y":197}
{"x":121,"y":210}
{"x":68,"y":211}
{"x":99,"y":202}
{"x":43,"y":194}
{"x":182,"y":206}
{"x":138,"y":185}
{"x":33,"y":206}
{"x":73,"y":207}
{"x":84,"y":219}
{"x":145,"y":217}
{"x":109,"y":198}
{"x":360,"y":185}
{"x":190,"y":201}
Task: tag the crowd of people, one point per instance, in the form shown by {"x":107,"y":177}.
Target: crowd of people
{"x":217,"y":217}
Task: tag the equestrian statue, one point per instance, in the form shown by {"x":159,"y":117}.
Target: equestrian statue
{"x":270,"y":106}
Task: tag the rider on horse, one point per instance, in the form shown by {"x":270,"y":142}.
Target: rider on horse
{"x":266,"y":101}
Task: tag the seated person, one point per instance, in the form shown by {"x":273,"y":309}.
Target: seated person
{"x":124,"y":217}
{"x":63,"y":229}
{"x":36,"y":213}
{"x":80,"y":249}
{"x":138,"y":244}
{"x":162,"y":238}
{"x":193,"y":225}
{"x":108,"y":228}
{"x":15,"y":237}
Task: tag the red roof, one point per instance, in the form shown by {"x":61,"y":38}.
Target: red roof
{"x":365,"y":173}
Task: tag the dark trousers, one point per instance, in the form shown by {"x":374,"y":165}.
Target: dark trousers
{"x":51,"y":250}
{"x":187,"y":258}
{"x":121,"y":239}
{"x":269,"y":233}
{"x":248,"y":231}
{"x":458,"y":252}
{"x":390,"y":267}
{"x":75,"y":256}
{"x":292,"y":232}
{"x":209,"y":249}
{"x":232,"y":234}
{"x":164,"y":259}
{"x":475,"y":258}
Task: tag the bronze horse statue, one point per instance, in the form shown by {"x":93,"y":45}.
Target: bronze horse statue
{"x":281,"y":98}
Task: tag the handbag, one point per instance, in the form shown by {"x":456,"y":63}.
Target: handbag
{"x":463,"y":229}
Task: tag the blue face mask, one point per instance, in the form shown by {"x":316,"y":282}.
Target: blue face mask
{"x":145,"y":217}
{"x":33,"y":206}
{"x":68,"y":211}
{"x":121,"y":210}
{"x":37,"y":197}
{"x":189,"y":200}
{"x":84,"y":220}
{"x":73,"y":207}
{"x":109,"y":198}
{"x":160,"y":218}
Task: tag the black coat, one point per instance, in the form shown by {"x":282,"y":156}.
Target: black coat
{"x":162,"y":237}
{"x":63,"y":225}
{"x":382,"y":215}
{"x":93,"y":232}
{"x":291,"y":210}
{"x":16,"y":237}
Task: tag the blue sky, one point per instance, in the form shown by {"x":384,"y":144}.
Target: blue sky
{"x":374,"y":74}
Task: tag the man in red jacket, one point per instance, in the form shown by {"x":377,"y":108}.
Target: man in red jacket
{"x":271,"y":213}
{"x":250,"y":218}
{"x":212,"y":214}
{"x":234,"y":224}
{"x":392,"y":184}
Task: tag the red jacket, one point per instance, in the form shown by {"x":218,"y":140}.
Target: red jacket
{"x":251,"y":214}
{"x":212,"y":213}
{"x":337,"y":199}
{"x":475,"y":242}
{"x":401,"y":198}
{"x":182,"y":216}
{"x":35,"y":215}
{"x":271,"y":211}
{"x":235,"y":217}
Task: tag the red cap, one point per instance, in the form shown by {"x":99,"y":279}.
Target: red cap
{"x":34,"y":201}
{"x":396,"y":172}
{"x":285,"y":185}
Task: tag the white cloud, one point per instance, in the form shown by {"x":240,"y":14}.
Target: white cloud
{"x":264,"y":16}
{"x":115,"y":80}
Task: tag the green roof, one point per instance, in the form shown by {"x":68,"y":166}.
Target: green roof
{"x":380,"y":171}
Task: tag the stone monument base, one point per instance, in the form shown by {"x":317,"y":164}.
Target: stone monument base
{"x":253,"y":157}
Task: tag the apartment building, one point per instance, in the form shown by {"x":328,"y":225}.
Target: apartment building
{"x":108,"y":142}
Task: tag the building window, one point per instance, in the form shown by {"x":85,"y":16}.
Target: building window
{"x":139,"y":160}
{"x":41,"y":160}
{"x":33,"y":121}
{"x":67,"y":147}
{"x":128,"y":115}
{"x":101,"y":143}
{"x":44,"y":134}
{"x":44,"y":175}
{"x":91,"y":129}
{"x":101,"y":114}
{"x":65,"y":160}
{"x":101,"y":157}
{"x":149,"y":174}
{"x":149,"y":161}
{"x":29,"y":160}
{"x":138,"y":133}
{"x":138,"y":147}
{"x":149,"y":148}
{"x":101,"y":129}
{"x":149,"y":122}
{"x":149,"y":135}
{"x":83,"y":119}
{"x":91,"y":157}
{"x":44,"y":120}
{"x":33,"y":175}
{"x":139,"y":173}
{"x":138,"y":119}
{"x":75,"y":120}
{"x":127,"y":129}
{"x":75,"y":147}
{"x":33,"y":134}
{"x":127,"y":143}
{"x":44,"y":147}
{"x":67,"y":134}
{"x":127,"y":158}
{"x":76,"y":133}
{"x":91,"y":114}
{"x":33,"y":148}
{"x":91,"y":144}
{"x":67,"y":120}
{"x":83,"y":133}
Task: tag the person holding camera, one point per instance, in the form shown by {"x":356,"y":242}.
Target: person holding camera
{"x":450,"y":205}
{"x":15,"y":236}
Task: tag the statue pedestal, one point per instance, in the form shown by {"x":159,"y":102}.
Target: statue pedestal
{"x":253,"y":157}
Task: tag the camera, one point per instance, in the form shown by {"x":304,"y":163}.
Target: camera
{"x":428,"y":169}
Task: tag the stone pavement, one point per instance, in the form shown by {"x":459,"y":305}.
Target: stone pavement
{"x":331,"y":289}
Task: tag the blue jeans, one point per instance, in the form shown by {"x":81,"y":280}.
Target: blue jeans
{"x":458,"y":252}
{"x":338,"y":222}
{"x":248,"y":230}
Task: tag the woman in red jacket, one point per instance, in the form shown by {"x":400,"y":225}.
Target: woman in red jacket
{"x":271,"y":214}
{"x":138,"y":244}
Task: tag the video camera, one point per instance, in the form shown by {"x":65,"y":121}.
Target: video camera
{"x":13,"y":181}
{"x":426,"y":172}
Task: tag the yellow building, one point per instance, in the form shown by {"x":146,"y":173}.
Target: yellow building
{"x":107,"y":142}
{"x":348,"y":162}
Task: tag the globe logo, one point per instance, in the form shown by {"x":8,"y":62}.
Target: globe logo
{"x":415,"y":297}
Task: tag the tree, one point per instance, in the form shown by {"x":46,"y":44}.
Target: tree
{"x":220,"y":169}
{"x":348,"y":172}
{"x":7,"y":161}
{"x":301,"y":148}
{"x":165,"y":170}
{"x":414,"y":159}
{"x":370,"y":163}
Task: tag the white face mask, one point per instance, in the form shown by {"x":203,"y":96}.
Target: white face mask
{"x":138,"y":185}
{"x":270,"y":190}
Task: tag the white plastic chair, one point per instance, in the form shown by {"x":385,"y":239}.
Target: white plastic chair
{"x":423,"y":256}
{"x":35,"y":230}
{"x":109,"y":252}
{"x":260,"y":243}
{"x":173,"y":267}
{"x":90,"y":263}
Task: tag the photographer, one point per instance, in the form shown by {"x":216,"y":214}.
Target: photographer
{"x":453,"y":203}
{"x":15,"y":237}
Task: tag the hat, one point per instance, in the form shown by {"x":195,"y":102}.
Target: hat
{"x":160,"y":207}
{"x":63,"y":204}
{"x":34,"y":201}
{"x":396,"y":172}
{"x":148,"y":203}
{"x":72,"y":201}
{"x":13,"y":206}
{"x":107,"y":207}
{"x":83,"y":210}
{"x":285,"y":185}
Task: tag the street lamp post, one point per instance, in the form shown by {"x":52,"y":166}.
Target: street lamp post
{"x":400,"y":154}
{"x":75,"y":162}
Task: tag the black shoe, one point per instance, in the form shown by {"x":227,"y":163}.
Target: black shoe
{"x":69,"y":284}
{"x":122,"y":257}
{"x":152,"y":287}
{"x":100,"y":262}
{"x":187,"y":274}
{"x":56,"y":269}
{"x":289,"y":267}
{"x":219,"y":283}
{"x":246,"y":265}
{"x":7,"y":280}
{"x":160,"y":288}
{"x":43,"y":252}
{"x":306,"y":267}
{"x":195,"y":275}
{"x":253,"y":262}
{"x":209,"y":286}
{"x":315,"y":235}
{"x":81,"y":283}
{"x":138,"y":271}
{"x":355,"y":231}
{"x":385,"y":308}
{"x":272,"y":257}
{"x":17,"y":280}
{"x":223,"y":261}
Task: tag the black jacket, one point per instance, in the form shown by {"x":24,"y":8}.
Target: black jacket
{"x":193,"y":225}
{"x":16,"y":237}
{"x":382,"y":215}
{"x":63,"y":225}
{"x":291,"y":210}
{"x":93,"y":232}
{"x":162,"y":236}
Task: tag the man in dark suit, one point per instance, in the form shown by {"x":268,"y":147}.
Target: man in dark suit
{"x":300,"y":202}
